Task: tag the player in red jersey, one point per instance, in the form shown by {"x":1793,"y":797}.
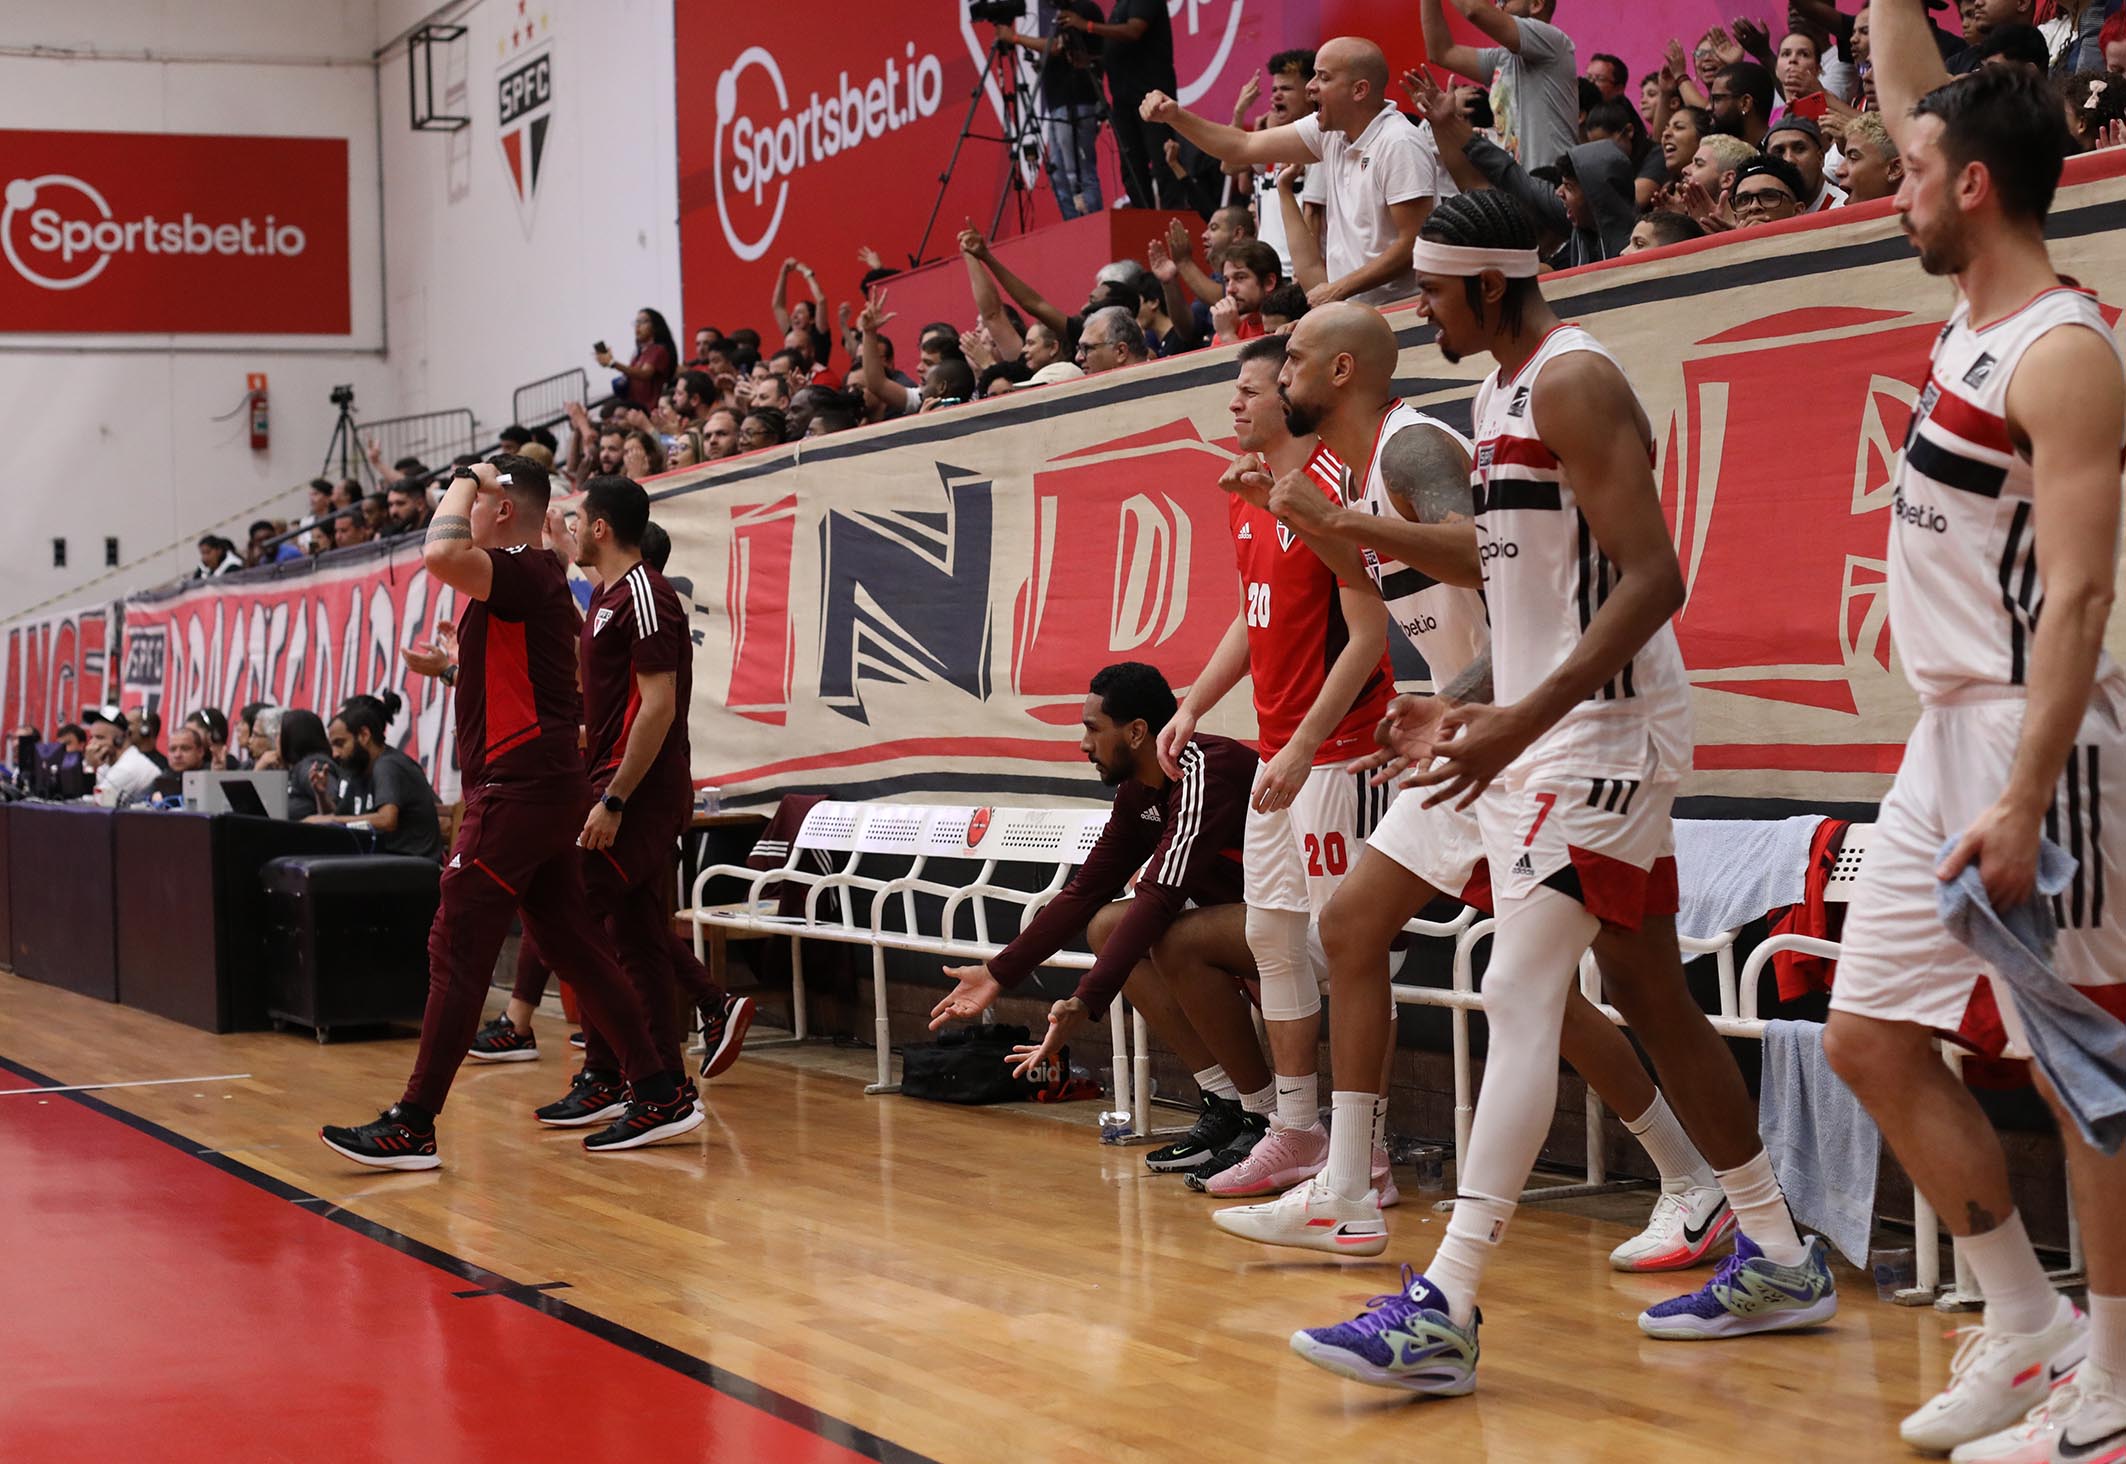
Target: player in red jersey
{"x":518,"y":711}
{"x":1317,"y":652}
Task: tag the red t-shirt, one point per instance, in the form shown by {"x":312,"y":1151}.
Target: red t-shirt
{"x":1296,"y":628}
{"x":636,"y":624}
{"x":518,"y":706}
{"x":1249,"y":327}
{"x":643,"y":391}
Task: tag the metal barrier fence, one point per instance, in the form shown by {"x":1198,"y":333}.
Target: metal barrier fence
{"x":433,"y":437}
{"x":545,"y":402}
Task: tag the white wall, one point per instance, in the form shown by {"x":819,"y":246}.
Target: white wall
{"x":113,"y":436}
{"x":456,"y":307}
{"x":478,"y":306}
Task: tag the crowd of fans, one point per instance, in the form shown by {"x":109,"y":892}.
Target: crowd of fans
{"x":1313,"y":190}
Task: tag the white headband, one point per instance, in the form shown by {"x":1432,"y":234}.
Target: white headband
{"x":1460,"y":259}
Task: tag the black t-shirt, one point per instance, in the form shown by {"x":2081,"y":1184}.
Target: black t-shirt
{"x":1146,"y":64}
{"x":1070,"y":77}
{"x":396,"y":779}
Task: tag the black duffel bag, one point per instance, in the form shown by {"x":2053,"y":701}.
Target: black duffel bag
{"x":967,"y":1065}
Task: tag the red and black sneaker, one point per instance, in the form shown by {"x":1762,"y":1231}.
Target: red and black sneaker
{"x":591,"y":1098}
{"x":649,"y":1123}
{"x":500,"y":1041}
{"x":389,"y":1143}
{"x":723,"y":1032}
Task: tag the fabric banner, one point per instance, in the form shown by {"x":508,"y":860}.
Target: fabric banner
{"x":146,"y":231}
{"x":54,"y":668}
{"x":916,"y":609}
{"x":309,"y":636}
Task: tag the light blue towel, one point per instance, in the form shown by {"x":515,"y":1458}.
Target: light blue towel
{"x":2080,"y":1048}
{"x":1730,"y":871}
{"x":1822,"y":1144}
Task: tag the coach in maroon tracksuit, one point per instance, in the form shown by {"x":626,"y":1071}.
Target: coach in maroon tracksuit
{"x":518,"y":711}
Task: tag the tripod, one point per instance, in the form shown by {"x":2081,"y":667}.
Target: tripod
{"x":1020,"y":137}
{"x":345,"y":438}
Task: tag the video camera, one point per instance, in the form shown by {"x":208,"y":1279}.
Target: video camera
{"x":996,"y":12}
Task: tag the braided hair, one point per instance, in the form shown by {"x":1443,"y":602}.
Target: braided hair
{"x":1486,"y":219}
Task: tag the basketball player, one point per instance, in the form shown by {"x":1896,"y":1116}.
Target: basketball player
{"x":518,"y":711}
{"x":1586,"y":737}
{"x":1181,"y":943}
{"x":637,"y":673}
{"x":2007,"y":501}
{"x":1407,"y":523}
{"x":1317,"y":652}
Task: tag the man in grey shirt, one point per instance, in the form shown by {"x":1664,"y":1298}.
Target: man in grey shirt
{"x":1537,"y":94}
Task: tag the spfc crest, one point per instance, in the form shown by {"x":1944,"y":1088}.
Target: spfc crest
{"x":524,"y":111}
{"x":605,"y":613}
{"x":978,"y":825}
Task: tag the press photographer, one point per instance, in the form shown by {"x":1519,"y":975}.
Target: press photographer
{"x":1070,"y":107}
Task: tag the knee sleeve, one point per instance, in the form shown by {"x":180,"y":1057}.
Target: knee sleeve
{"x":1534,"y":958}
{"x":1284,"y":958}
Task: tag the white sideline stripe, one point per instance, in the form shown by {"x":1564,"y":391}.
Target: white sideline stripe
{"x":137,"y":1083}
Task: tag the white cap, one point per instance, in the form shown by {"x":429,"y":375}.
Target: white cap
{"x":1056,"y":371}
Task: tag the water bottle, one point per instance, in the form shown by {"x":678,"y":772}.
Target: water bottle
{"x":1116,"y":1125}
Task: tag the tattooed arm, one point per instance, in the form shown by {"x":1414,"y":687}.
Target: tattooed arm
{"x":1434,"y":530}
{"x":448,"y":553}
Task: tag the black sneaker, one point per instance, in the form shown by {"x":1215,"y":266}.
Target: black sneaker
{"x":500,"y":1041}
{"x":723,"y":1032}
{"x":650,"y":1123}
{"x":590,"y":1099}
{"x":1215,"y":1127}
{"x":389,"y":1143}
{"x":575,"y":1040}
{"x":1252,"y":1127}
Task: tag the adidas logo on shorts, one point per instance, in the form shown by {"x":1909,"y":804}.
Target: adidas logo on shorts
{"x":1522,"y":866}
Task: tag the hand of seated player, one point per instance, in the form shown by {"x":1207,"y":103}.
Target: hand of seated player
{"x":975,"y":994}
{"x":1064,"y":1018}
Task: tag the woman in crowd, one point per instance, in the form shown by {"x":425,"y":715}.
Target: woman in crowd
{"x":643,"y":455}
{"x":656,"y":362}
{"x":1800,"y":74}
{"x":689,"y":450}
{"x":762,"y":427}
{"x":263,"y":741}
{"x":303,"y":746}
{"x":1687,"y":127}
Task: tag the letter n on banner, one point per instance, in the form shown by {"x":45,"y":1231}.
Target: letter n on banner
{"x":905,"y":596}
{"x":756,"y":597}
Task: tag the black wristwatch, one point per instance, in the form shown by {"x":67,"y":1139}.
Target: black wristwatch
{"x":449,"y":674}
{"x":613,"y":803}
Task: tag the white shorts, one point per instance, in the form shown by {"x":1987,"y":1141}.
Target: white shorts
{"x":1607,"y":841}
{"x":1295,"y":858}
{"x":1441,"y":845}
{"x":1899,"y":963}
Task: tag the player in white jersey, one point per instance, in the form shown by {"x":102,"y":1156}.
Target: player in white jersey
{"x":2007,"y":501}
{"x":1582,"y":749}
{"x":1406,"y":521}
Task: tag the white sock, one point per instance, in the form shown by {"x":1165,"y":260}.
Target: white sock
{"x":1351,"y":1144}
{"x":1380,"y":1121}
{"x":1760,"y":1210}
{"x":1213,"y":1080}
{"x":1474,"y":1232}
{"x":2018,"y":1297}
{"x":2107,"y":1334}
{"x":1263,"y":1101}
{"x":1661,"y":1136}
{"x":1298,"y":1102}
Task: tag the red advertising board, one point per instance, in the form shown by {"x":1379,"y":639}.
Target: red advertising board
{"x":119,"y":232}
{"x":812,"y":132}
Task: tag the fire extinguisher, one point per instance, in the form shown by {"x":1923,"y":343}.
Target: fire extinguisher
{"x":255,"y":382}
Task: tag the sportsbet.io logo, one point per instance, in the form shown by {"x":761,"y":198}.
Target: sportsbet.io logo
{"x":60,"y":233}
{"x":764,"y":139}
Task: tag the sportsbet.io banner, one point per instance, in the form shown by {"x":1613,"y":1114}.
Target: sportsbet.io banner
{"x":916,"y":609}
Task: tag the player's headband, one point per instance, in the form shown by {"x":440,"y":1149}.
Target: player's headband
{"x":1459,"y":259}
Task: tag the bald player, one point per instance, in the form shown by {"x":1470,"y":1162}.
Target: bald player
{"x":1383,"y":174}
{"x":1406,"y":525}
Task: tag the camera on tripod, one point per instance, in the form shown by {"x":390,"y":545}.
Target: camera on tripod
{"x":995,"y":12}
{"x":343,"y":396}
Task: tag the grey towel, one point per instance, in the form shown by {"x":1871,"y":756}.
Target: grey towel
{"x":2080,"y":1048}
{"x":1822,"y":1144}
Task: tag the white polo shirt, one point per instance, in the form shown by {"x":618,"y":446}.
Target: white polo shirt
{"x":1388,"y":164}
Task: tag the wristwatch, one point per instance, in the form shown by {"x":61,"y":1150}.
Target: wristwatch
{"x":613,"y":804}
{"x":449,"y":674}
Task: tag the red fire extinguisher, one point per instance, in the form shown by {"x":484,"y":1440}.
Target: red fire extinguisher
{"x":256,"y":383}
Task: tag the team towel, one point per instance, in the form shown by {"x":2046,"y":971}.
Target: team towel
{"x":1730,"y":871}
{"x":1822,"y":1144}
{"x":2078,"y":1046}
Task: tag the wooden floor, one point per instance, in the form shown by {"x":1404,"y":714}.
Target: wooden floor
{"x":981,"y":1285}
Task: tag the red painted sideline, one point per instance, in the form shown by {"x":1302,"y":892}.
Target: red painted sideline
{"x":159,"y":1308}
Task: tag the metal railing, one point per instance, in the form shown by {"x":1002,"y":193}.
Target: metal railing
{"x":545,"y":402}
{"x":433,"y":437}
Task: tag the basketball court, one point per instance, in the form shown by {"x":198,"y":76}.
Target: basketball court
{"x":816,"y":1276}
